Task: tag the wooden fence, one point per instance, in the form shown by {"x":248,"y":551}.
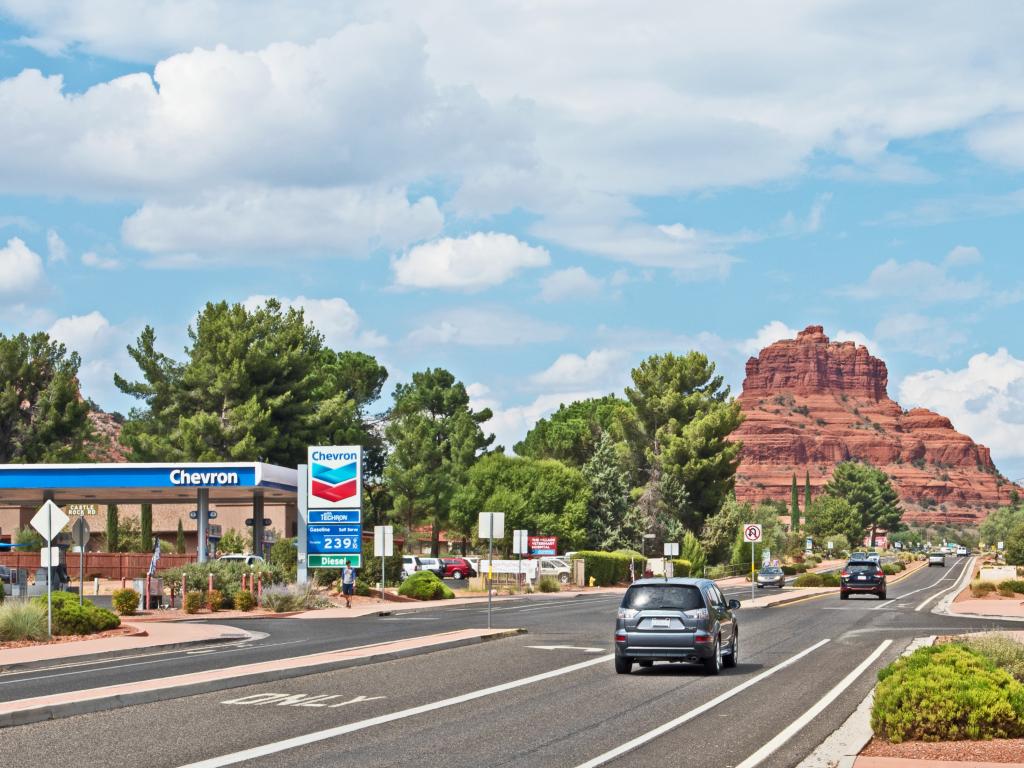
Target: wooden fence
{"x":106,"y":565}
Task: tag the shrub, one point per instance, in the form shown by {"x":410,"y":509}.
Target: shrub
{"x":1014,"y":586}
{"x":828,"y":579}
{"x":244,"y":600}
{"x":424,"y":585}
{"x":945,"y":693}
{"x":1005,"y":652}
{"x":227,"y":575}
{"x":363,"y":585}
{"x":549,"y":584}
{"x":981,"y":588}
{"x":2,"y":593}
{"x":214,"y":599}
{"x":789,"y":570}
{"x":22,"y":621}
{"x":680,"y":567}
{"x":325,"y":577}
{"x":609,"y":568}
{"x":891,"y":569}
{"x":192,"y":602}
{"x":285,"y":599}
{"x":70,"y":618}
{"x":809,"y":580}
{"x":125,"y":601}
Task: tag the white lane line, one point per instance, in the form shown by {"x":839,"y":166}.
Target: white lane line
{"x":793,"y":728}
{"x":949,"y":575}
{"x":967,"y":572}
{"x":696,"y":711}
{"x":331,"y":733}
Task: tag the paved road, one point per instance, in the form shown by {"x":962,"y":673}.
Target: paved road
{"x":479,"y":703}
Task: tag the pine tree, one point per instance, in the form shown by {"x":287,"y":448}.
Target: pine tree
{"x":146,"y":522}
{"x":609,"y":497}
{"x":691,"y":550}
{"x":179,"y":544}
{"x":113,"y":533}
{"x":794,"y":518}
{"x":807,"y":491}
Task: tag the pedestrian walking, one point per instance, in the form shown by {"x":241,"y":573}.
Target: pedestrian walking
{"x":348,"y":583}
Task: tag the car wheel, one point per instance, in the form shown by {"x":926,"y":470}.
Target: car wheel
{"x":457,"y":575}
{"x":713,"y":665}
{"x":881,"y":595}
{"x":760,"y":586}
{"x":563,"y":578}
{"x":623,"y":666}
{"x":733,"y":657}
{"x":844,"y":596}
{"x":645,"y":664}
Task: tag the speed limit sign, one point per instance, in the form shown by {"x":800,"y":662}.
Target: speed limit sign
{"x":752,"y":532}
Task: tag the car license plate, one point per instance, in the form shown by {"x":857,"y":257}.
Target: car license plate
{"x":660,"y":623}
{"x":862,"y":578}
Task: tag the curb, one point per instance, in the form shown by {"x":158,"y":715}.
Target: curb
{"x":798,"y":598}
{"x":56,"y":711}
{"x":28,"y":666}
{"x":844,"y":744}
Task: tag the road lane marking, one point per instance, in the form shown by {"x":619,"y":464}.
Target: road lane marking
{"x":566,"y":648}
{"x":311,"y":738}
{"x":642,"y":739}
{"x":956,"y":584}
{"x":922,"y":589}
{"x":298,"y":700}
{"x":797,"y":725}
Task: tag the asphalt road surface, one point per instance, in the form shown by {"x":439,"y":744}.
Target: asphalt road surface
{"x":803,"y":669}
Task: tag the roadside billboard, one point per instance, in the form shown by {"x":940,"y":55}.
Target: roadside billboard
{"x":542,"y":546}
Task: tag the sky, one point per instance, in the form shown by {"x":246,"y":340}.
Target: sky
{"x":534,"y":195}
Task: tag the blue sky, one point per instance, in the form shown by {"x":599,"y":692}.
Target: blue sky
{"x":536,"y":197}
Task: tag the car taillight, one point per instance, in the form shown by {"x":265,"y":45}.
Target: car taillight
{"x":879,"y":572}
{"x":700,"y":636}
{"x":620,"y":636}
{"x":844,"y":575}
{"x":627,"y":613}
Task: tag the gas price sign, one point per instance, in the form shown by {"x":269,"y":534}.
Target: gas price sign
{"x":334,"y":539}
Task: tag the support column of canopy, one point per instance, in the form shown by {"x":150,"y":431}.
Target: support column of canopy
{"x":257,"y":523}
{"x":203,"y":507}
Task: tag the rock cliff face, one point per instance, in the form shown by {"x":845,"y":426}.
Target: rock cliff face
{"x":106,"y":447}
{"x":811,"y":403}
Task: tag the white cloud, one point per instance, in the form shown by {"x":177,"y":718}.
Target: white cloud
{"x":509,"y":424}
{"x":94,"y":260}
{"x":605,"y":367}
{"x":984,"y":400}
{"x":963,"y":254}
{"x":55,"y":247}
{"x":571,"y":283}
{"x":485,"y":327}
{"x":334,"y":318}
{"x":921,"y":281}
{"x":858,"y":338}
{"x":86,"y":334}
{"x":481,"y":260}
{"x":919,"y":335}
{"x":21,"y":268}
{"x":271,"y":220}
{"x":999,"y":141}
{"x":768,"y":334}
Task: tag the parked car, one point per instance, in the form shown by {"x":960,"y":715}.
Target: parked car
{"x":410,"y":564}
{"x":937,"y":558}
{"x":457,"y":568}
{"x":770,"y":576}
{"x":555,"y":567}
{"x":240,"y":558}
{"x":861,"y":576}
{"x":678,"y":620}
{"x":433,"y":564}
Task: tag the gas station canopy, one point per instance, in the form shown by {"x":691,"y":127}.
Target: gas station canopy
{"x":177,"y":482}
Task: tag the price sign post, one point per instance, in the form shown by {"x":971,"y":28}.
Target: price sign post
{"x":752,"y":533}
{"x":49,"y":521}
{"x":491,"y":526}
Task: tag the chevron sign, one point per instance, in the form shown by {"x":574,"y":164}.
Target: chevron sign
{"x":335,"y":477}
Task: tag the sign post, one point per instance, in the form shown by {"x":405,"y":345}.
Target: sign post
{"x":80,"y":535}
{"x":383,"y":546}
{"x":48,"y":518}
{"x":491,"y":524}
{"x":752,"y":533}
{"x":520,"y":544}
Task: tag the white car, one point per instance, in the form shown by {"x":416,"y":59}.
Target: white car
{"x":410,"y":564}
{"x":961,"y":551}
{"x":239,"y":558}
{"x":556,"y":567}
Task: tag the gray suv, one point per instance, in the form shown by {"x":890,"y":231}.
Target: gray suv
{"x":676,"y":620}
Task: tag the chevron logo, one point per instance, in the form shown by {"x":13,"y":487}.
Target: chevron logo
{"x":335,"y":484}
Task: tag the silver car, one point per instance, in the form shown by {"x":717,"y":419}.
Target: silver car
{"x":676,"y":620}
{"x":770,"y":576}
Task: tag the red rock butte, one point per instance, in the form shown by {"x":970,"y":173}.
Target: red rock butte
{"x":811,"y":403}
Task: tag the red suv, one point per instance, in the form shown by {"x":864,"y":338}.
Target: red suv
{"x":457,"y":568}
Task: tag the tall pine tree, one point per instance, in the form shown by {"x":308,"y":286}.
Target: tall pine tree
{"x":113,"y":530}
{"x":609,"y":498}
{"x":179,"y":544}
{"x":794,"y":513}
{"x":146,"y":524}
{"x":807,"y":491}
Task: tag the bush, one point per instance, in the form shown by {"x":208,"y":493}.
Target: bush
{"x":828,"y":579}
{"x":549,"y":584}
{"x":2,"y":593}
{"x":1005,"y":652}
{"x":981,"y":588}
{"x":244,"y":600}
{"x":680,"y":567}
{"x":284,"y":599}
{"x":609,"y":568}
{"x":891,"y":569}
{"x":192,"y":602}
{"x":424,"y":585}
{"x":325,"y":577}
{"x":809,"y":580}
{"x":22,"y":621}
{"x":789,"y":570}
{"x":363,"y":585}
{"x":227,"y":575}
{"x":946,"y":693}
{"x":215,"y":599}
{"x":1013,"y":586}
{"x":70,"y":618}
{"x":125,"y":601}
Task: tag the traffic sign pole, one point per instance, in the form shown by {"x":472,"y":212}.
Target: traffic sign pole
{"x":751,"y":570}
{"x":49,"y":578}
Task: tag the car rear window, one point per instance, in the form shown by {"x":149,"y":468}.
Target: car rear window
{"x":771,"y":571}
{"x":671,"y":597}
{"x":863,"y":566}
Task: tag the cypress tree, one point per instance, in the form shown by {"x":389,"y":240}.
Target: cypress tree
{"x":794,"y":519}
{"x":146,"y":524}
{"x":179,"y":545}
{"x":807,"y":491}
{"x":113,"y":534}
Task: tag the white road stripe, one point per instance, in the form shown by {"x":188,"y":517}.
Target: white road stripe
{"x":695,"y":712}
{"x":341,"y":730}
{"x":956,"y":585}
{"x":941,"y":579}
{"x":793,"y":728}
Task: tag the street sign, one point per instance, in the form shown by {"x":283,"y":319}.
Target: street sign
{"x":213,"y":531}
{"x":752,"y":532}
{"x":520,"y":541}
{"x":78,"y":510}
{"x":671,"y":549}
{"x":831,"y":545}
{"x":342,"y":539}
{"x":492,"y":524}
{"x":383,"y":541}
{"x":335,"y":516}
{"x":49,"y":557}
{"x":999,"y":545}
{"x":334,"y":561}
{"x":80,"y":532}
{"x":49,"y":520}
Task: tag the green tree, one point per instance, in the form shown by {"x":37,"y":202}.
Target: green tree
{"x":609,"y":499}
{"x":146,"y":527}
{"x":870,"y":492}
{"x":719,"y":531}
{"x":1014,"y":546}
{"x":690,"y":549}
{"x":999,"y":523}
{"x":684,"y":416}
{"x":179,"y":541}
{"x":807,"y":491}
{"x":543,"y":496}
{"x":435,"y":438}
{"x":43,"y":417}
{"x":232,"y":542}
{"x":256,"y":385}
{"x":113,"y":528}
{"x":773,"y":535}
{"x":794,"y":515}
{"x":29,"y":538}
{"x":830,"y":515}
{"x":573,"y":432}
